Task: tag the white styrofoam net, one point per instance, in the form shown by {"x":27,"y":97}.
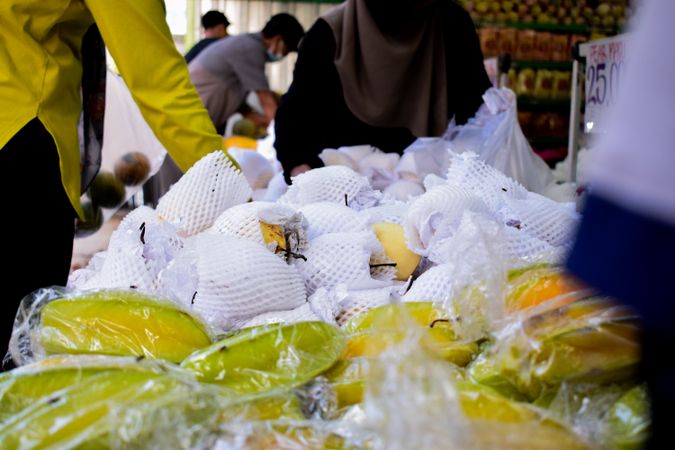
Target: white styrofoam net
{"x":340,"y":258}
{"x":331,"y":184}
{"x":138,"y":250}
{"x":244,"y":221}
{"x":323,"y":305}
{"x":359,"y":301}
{"x":327,"y":217}
{"x":207,"y":189}
{"x":490,"y":185}
{"x":549,"y":221}
{"x":404,"y":189}
{"x":393,"y":212}
{"x":239,"y":279}
{"x":302,"y":313}
{"x":436,"y":214}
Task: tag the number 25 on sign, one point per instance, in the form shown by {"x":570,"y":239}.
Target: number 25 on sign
{"x":605,"y":63}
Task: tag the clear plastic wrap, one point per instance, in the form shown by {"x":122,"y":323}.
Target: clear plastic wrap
{"x":436,"y":215}
{"x":590,"y":340}
{"x":70,"y":407}
{"x":106,"y":322}
{"x":266,"y":358}
{"x":494,"y":134}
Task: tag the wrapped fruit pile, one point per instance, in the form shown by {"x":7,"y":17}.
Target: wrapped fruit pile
{"x":336,"y":317}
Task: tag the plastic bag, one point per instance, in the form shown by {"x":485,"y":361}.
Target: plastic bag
{"x":495,"y":135}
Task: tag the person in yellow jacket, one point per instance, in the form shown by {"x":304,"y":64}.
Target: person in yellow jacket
{"x":40,"y":105}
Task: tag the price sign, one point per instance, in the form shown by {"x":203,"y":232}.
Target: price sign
{"x":604,"y":67}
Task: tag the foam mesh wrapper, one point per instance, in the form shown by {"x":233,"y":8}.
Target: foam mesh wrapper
{"x":140,"y":247}
{"x":340,"y":258}
{"x":328,"y":217}
{"x":240,"y":279}
{"x":336,"y":184}
{"x":244,"y":221}
{"x":207,"y":189}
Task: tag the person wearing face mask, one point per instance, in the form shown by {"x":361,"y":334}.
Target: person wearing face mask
{"x":226,"y":71}
{"x":379,"y":72}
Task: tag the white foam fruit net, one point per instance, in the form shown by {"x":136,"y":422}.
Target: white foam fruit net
{"x":436,"y":284}
{"x":327,"y":217}
{"x":393,"y":212}
{"x":239,"y":279}
{"x":302,"y":313}
{"x":323,"y":305}
{"x":469,"y":172}
{"x":340,"y":258}
{"x":207,"y":189}
{"x":547,"y":220}
{"x":138,"y":250}
{"x":359,"y":301}
{"x":436,"y":214}
{"x":244,"y":221}
{"x":337,"y":184}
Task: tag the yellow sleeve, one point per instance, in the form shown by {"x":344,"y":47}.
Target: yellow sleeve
{"x":138,"y":38}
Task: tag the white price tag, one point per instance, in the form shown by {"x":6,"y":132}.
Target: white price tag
{"x":604,"y":67}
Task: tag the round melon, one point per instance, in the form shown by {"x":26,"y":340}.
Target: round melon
{"x":245,"y":127}
{"x":93,"y":219}
{"x":107,"y":191}
{"x":132,"y":168}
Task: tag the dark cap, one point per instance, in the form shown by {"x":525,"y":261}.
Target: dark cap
{"x":214,"y":18}
{"x":288,"y":27}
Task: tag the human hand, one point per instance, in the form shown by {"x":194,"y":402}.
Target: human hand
{"x":302,"y":168}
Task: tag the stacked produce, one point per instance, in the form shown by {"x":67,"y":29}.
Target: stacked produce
{"x":337,"y":317}
{"x":608,"y":13}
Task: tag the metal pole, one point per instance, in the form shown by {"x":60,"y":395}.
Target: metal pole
{"x":575,"y":114}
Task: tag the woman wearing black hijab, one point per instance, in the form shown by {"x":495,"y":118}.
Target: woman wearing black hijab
{"x":379,"y":72}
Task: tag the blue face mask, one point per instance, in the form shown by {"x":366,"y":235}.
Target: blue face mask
{"x":272,"y":57}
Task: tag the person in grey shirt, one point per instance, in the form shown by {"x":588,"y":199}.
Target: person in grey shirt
{"x":226,"y":71}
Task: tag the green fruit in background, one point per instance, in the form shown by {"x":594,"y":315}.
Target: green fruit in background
{"x":245,"y":127}
{"x":269,"y":357}
{"x":132,"y":168}
{"x":93,"y":219}
{"x":123,"y":323}
{"x":628,"y":420}
{"x":107,"y":191}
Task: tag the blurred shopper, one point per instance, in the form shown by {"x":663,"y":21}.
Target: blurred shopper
{"x":229,"y":69}
{"x":42,"y":54}
{"x":379,"y":72}
{"x":626,"y":242}
{"x":215,"y":26}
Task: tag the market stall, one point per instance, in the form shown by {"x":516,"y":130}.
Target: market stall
{"x":382,"y":301}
